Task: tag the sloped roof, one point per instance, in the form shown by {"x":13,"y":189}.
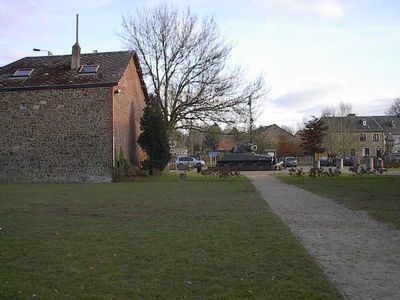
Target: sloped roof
{"x":354,"y":123}
{"x":389,"y":123}
{"x":262,"y":129}
{"x":55,"y":71}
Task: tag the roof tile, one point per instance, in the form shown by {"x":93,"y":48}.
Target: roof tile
{"x":55,"y":71}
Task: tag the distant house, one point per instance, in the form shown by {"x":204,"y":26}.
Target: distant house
{"x":361,"y":135}
{"x":273,"y":137}
{"x":272,"y":132}
{"x":64,"y":118}
{"x":391,"y":130}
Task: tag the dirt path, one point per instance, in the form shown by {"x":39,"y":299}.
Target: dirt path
{"x":359,"y":254}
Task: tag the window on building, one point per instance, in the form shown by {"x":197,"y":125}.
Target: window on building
{"x":363,"y":137}
{"x":352,"y":152}
{"x":375,"y":137}
{"x":23,"y":72}
{"x":88,"y":69}
{"x":378,"y":152}
{"x":366,"y":152}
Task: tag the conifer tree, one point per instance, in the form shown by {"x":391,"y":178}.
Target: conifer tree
{"x":311,"y":136}
{"x":154,"y":136}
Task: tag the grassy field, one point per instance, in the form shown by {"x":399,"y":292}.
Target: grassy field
{"x":379,"y":195}
{"x":156,"y":238}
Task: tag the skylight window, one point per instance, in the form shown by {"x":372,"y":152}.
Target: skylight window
{"x":88,"y":69}
{"x":23,"y":72}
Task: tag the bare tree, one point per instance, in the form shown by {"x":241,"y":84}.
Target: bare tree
{"x":288,"y":129}
{"x":185,"y":63}
{"x":344,"y":109}
{"x":394,"y":109}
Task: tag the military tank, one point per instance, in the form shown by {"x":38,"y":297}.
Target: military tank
{"x":244,"y":158}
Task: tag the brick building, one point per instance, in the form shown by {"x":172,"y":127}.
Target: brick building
{"x":64,"y":118}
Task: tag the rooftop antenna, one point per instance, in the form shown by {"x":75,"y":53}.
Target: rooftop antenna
{"x":77,"y":25}
{"x":76,"y":50}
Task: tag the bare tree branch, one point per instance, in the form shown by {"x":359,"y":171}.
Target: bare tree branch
{"x":185,"y":64}
{"x":394,"y":109}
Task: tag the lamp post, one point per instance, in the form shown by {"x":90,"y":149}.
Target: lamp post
{"x":49,"y":53}
{"x":250,"y":121}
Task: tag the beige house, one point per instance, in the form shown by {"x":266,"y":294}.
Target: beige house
{"x":391,"y":130}
{"x":360,"y":135}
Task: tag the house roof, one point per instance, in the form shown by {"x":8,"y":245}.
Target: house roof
{"x":262,"y":129}
{"x":389,"y":124}
{"x":55,"y":71}
{"x":355,"y":123}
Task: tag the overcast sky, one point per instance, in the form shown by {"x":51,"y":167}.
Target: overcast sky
{"x":314,"y":53}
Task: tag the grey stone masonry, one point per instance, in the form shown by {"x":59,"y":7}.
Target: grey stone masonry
{"x":56,"y":135}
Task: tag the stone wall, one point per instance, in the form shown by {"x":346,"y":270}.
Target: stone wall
{"x":128,"y":109}
{"x":56,"y":135}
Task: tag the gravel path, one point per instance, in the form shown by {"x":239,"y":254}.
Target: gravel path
{"x":359,"y":254}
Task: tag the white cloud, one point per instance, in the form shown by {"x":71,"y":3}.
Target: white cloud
{"x":15,"y":54}
{"x":326,"y":8}
{"x":330,"y":9}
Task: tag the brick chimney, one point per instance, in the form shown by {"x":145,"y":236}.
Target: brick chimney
{"x":76,"y":50}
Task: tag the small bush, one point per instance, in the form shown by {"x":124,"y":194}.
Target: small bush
{"x":318,"y":172}
{"x":392,"y":165}
{"x":296,"y":172}
{"x":221,"y":172}
{"x":152,"y":167}
{"x":124,"y":171}
{"x":355,"y":170}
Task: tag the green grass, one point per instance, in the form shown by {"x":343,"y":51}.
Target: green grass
{"x":155,"y":238}
{"x":304,"y":164}
{"x":379,"y":195}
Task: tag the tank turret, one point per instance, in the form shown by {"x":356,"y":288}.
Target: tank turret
{"x":243,"y":148}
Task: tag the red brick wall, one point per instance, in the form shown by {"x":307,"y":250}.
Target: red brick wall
{"x":128,"y":109}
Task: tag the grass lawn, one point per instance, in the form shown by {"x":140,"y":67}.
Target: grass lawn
{"x":155,"y":238}
{"x":377,"y":194}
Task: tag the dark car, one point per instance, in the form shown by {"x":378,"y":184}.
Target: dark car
{"x":327,"y":161}
{"x":349,"y":161}
{"x":394,"y":157}
{"x":290,"y":161}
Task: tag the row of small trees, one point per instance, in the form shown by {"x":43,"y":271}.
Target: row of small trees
{"x":155,"y":141}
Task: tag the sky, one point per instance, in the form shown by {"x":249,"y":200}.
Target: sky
{"x":314,"y":54}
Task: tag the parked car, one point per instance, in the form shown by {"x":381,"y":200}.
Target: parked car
{"x":185,"y":162}
{"x":290,"y":161}
{"x":349,"y":161}
{"x":394,"y":157}
{"x":327,"y":161}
